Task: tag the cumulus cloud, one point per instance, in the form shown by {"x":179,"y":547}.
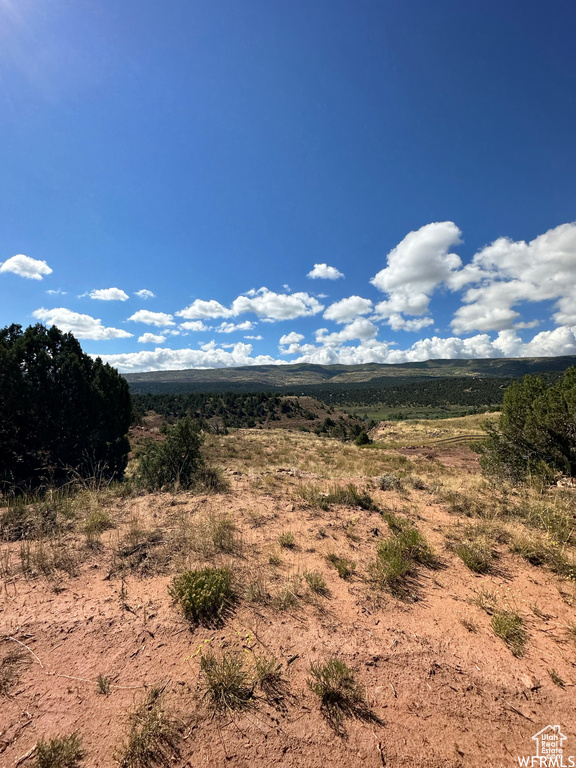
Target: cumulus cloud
{"x":204,"y":309}
{"x":255,"y":338}
{"x":361,"y":328}
{"x":56,"y":292}
{"x":399,"y":323}
{"x":345,"y":310}
{"x":416,"y":266}
{"x":509,"y":273}
{"x":560,"y":341}
{"x":108,"y":294}
{"x":264,"y":303}
{"x":210,"y":356}
{"x":144,"y":293}
{"x":195,"y":325}
{"x":33,"y":269}
{"x":291,"y":338}
{"x":82,"y":326}
{"x":247,"y":325}
{"x":152,"y":318}
{"x":324,"y":272}
{"x":151,"y":338}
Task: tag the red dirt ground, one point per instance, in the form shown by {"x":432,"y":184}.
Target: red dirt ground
{"x":446,"y":696}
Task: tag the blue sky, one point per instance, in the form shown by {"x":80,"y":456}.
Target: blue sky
{"x":226,"y":182}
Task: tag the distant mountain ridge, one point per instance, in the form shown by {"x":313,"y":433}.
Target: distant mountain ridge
{"x":280,"y":377}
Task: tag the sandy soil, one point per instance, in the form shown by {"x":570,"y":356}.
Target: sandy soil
{"x":444,"y":695}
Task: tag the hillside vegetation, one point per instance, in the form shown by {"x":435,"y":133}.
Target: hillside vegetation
{"x":322,"y":600}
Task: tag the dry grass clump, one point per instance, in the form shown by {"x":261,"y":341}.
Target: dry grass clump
{"x":153,"y":735}
{"x":288,"y":595}
{"x":468,"y":624}
{"x":271,"y":679}
{"x":474,"y":546}
{"x":10,"y":668}
{"x":541,"y":551}
{"x":339,"y":693}
{"x":256,"y":591}
{"x":476,"y":554}
{"x":345,"y":567}
{"x":204,"y":596}
{"x":287,"y":540}
{"x":391,"y":481}
{"x":556,"y":679}
{"x":509,"y":626}
{"x":60,"y":752}
{"x":226,"y":681}
{"x":398,"y":557}
{"x":348,"y":496}
{"x":317,"y":583}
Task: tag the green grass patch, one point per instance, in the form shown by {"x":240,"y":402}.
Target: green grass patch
{"x":203,"y":595}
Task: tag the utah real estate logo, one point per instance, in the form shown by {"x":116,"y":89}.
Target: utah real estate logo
{"x":550,"y":751}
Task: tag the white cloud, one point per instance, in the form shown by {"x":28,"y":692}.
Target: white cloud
{"x":291,"y":338}
{"x":324,"y":272}
{"x":151,"y":318}
{"x":33,"y":269}
{"x":210,"y":356}
{"x":255,"y":338}
{"x":231,"y":327}
{"x":399,"y":323}
{"x":144,"y":293}
{"x":277,"y":306}
{"x":195,"y":325}
{"x":151,"y":338}
{"x":416,"y":266}
{"x":264,"y":303}
{"x":108,"y":294}
{"x":509,"y":273}
{"x":56,"y":292}
{"x":361,"y":328}
{"x":204,"y":309}
{"x":82,"y":326}
{"x":345,"y":310}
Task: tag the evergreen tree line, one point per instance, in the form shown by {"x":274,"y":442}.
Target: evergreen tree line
{"x":63,"y":415}
{"x":536,"y":432}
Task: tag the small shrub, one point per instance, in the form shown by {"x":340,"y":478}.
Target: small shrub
{"x":391,"y":481}
{"x":174,"y":463}
{"x":350,"y":496}
{"x":339,"y":693}
{"x":270,"y":678}
{"x":397,"y":558}
{"x":287,"y":540}
{"x":274,"y":560}
{"x":317,"y":583}
{"x":362,"y":439}
{"x":487,"y":599}
{"x":153,"y":735}
{"x":203,"y":595}
{"x":476,"y":555}
{"x":509,"y":626}
{"x":226,"y":682}
{"x":60,"y":752}
{"x":344,"y":567}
